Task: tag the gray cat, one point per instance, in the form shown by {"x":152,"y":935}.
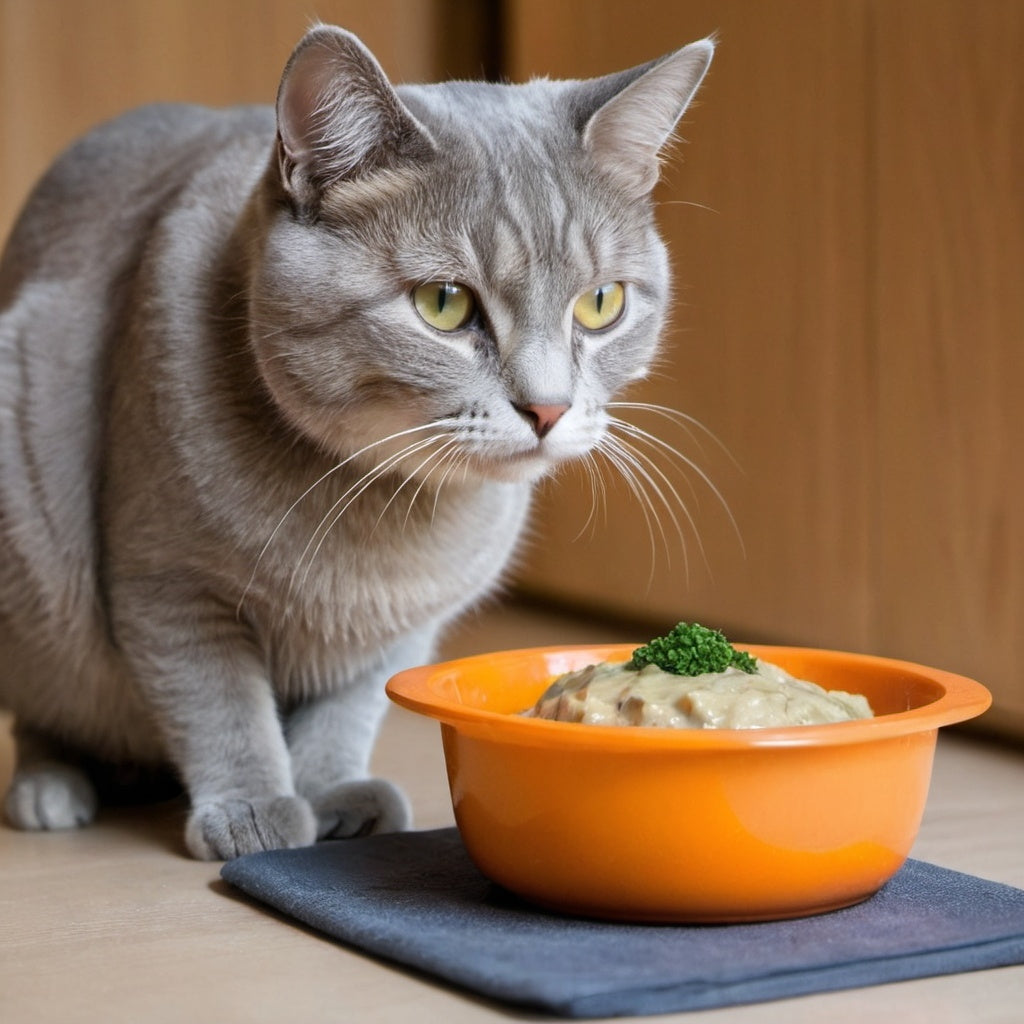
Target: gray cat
{"x":273,"y":395}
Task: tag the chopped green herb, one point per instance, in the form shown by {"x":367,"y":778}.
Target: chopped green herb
{"x":689,"y":649}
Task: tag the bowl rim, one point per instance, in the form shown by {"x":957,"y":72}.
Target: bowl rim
{"x":414,"y":689}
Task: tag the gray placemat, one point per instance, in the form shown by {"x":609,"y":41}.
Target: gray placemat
{"x":416,"y":899}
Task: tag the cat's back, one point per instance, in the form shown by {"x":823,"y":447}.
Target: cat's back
{"x":108,"y":187}
{"x":67,"y":288}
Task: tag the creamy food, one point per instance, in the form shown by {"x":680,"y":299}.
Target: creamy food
{"x":612,"y":694}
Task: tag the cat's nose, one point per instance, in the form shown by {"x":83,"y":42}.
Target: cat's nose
{"x":543,"y":417}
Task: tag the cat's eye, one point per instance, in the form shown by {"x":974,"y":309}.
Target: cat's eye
{"x":445,"y":305}
{"x":600,"y":307}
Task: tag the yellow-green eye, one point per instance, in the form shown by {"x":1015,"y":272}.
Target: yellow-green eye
{"x":444,"y":304}
{"x":600,"y":307}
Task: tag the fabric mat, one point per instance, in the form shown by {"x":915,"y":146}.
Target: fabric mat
{"x":416,"y":899}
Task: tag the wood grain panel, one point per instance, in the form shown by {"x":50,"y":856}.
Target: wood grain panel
{"x":68,"y":64}
{"x":950,"y":361}
{"x":763,"y":209}
{"x":847,"y":223}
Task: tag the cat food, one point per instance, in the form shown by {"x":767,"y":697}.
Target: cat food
{"x":617,"y":694}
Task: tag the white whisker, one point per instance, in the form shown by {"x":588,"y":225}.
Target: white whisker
{"x":641,"y":458}
{"x":689,"y":423}
{"x":649,"y":473}
{"x":598,"y":494}
{"x":344,"y":502}
{"x":317,"y":483}
{"x":431,"y":456}
{"x":657,"y":443}
{"x":621,"y":461}
{"x":687,"y":202}
{"x":652,"y":441}
{"x":442,"y":456}
{"x":459,"y":461}
{"x":648,"y":465}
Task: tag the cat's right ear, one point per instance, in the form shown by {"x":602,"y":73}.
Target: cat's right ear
{"x":631,"y":116}
{"x":339,"y":118}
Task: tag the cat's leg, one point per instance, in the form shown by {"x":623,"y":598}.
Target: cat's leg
{"x":231,"y":752}
{"x":228,"y":744}
{"x":207,"y":686}
{"x":49,"y":790}
{"x":331,"y":740}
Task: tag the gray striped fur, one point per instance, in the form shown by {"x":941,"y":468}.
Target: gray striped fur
{"x":241,"y":482}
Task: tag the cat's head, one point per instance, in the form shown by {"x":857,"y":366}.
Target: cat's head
{"x":459,"y":277}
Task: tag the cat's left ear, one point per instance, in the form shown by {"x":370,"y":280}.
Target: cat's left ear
{"x":339,"y":118}
{"x":634,"y":114}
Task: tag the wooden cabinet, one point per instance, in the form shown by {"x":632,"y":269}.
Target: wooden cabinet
{"x":948,"y":339}
{"x":847,"y":223}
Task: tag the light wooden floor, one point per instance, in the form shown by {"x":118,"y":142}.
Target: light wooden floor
{"x":114,"y":924}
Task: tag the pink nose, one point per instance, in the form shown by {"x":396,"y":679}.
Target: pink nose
{"x":543,"y":417}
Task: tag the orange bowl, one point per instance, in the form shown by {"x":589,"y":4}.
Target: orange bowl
{"x":687,"y":825}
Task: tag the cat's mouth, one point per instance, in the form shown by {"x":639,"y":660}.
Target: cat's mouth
{"x":462,"y":448}
{"x":514,"y":455}
{"x":523,"y":465}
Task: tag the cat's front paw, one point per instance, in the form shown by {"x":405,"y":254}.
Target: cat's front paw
{"x":225,"y":829}
{"x":361,"y":808}
{"x":50,"y":796}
